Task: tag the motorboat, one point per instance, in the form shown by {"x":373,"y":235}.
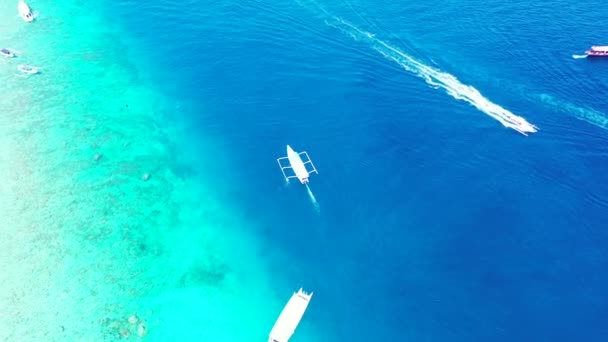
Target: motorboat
{"x":7,"y":53}
{"x":597,"y":51}
{"x":24,"y":11}
{"x":520,"y":124}
{"x":28,"y":69}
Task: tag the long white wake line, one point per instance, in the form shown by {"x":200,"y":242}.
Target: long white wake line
{"x":313,"y":199}
{"x":439,"y":79}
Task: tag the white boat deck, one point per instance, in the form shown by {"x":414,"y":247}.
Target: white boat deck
{"x":290,"y":317}
{"x":297,"y":165}
{"x":602,"y":48}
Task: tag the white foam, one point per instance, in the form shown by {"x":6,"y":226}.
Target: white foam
{"x":438,"y":79}
{"x":313,"y":199}
{"x":588,"y":115}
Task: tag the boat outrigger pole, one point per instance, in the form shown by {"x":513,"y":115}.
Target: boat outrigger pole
{"x":297,"y":165}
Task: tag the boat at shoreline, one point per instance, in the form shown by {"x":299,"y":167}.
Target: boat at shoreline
{"x":7,"y":53}
{"x":597,"y":51}
{"x":24,"y":11}
{"x":28,"y":69}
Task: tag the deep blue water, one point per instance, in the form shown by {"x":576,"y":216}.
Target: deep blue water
{"x":436,"y":223}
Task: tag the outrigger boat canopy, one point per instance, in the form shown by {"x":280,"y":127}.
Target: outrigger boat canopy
{"x":297,"y":165}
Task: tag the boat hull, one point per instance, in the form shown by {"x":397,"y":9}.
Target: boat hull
{"x":25,"y":12}
{"x":290,"y":317}
{"x":597,"y":51}
{"x":297,"y":165}
{"x":7,"y":53}
{"x":595,"y":54}
{"x":27,"y":69}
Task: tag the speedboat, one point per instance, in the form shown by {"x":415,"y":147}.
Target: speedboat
{"x":520,"y":124}
{"x":28,"y":69}
{"x":7,"y":53}
{"x":24,"y":11}
{"x":597,"y":51}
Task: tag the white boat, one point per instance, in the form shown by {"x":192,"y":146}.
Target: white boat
{"x":290,"y":317}
{"x":521,"y":125}
{"x":297,"y":165}
{"x":598,"y":51}
{"x":28,"y":69}
{"x":24,"y":11}
{"x":7,"y":53}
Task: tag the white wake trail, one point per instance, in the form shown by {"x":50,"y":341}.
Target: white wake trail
{"x":437,"y":78}
{"x":313,"y":199}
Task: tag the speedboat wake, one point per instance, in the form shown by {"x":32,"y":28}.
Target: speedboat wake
{"x":437,"y":78}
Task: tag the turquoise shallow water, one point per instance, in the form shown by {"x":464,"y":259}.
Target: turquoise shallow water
{"x":141,"y":195}
{"x":104,"y":213}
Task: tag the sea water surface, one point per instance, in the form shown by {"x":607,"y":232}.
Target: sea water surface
{"x":141,"y":199}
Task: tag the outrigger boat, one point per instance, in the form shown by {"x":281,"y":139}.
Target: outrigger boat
{"x":297,"y":165}
{"x":24,"y":11}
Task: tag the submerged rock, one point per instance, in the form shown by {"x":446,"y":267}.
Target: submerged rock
{"x":125,"y":333}
{"x":142,"y":330}
{"x":97,"y":157}
{"x":133,"y":319}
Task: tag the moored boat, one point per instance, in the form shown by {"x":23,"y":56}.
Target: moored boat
{"x":7,"y":53}
{"x":28,"y":69}
{"x":597,"y":51}
{"x":24,"y":11}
